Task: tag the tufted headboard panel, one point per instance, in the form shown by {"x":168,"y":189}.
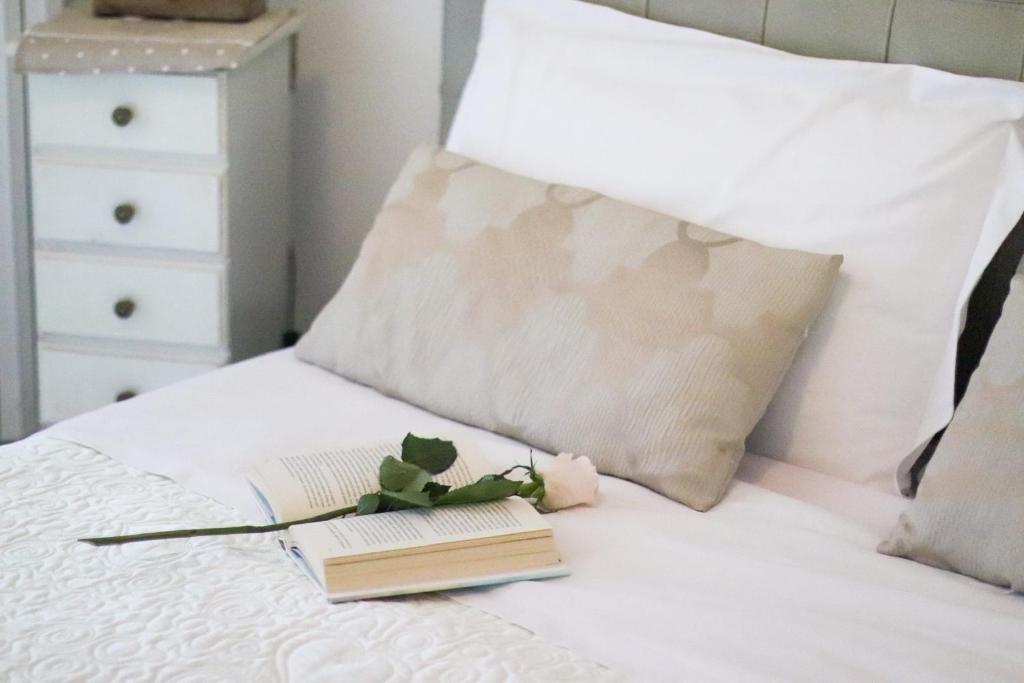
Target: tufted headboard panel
{"x":972,"y":37}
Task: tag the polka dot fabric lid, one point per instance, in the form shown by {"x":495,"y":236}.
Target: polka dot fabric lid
{"x":77,"y":42}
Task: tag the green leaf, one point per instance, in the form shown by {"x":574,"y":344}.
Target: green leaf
{"x":396,"y":475}
{"x":404,"y":500}
{"x":368,"y":504}
{"x":487,"y":489}
{"x":528,"y":488}
{"x":538,"y":496}
{"x":435,"y":490}
{"x":433,"y":455}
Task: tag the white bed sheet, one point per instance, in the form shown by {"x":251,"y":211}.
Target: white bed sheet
{"x":781,"y":580}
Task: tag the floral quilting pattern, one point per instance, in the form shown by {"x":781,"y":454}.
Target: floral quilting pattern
{"x":216,"y":609}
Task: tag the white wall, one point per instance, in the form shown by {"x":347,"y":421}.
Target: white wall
{"x":368,"y":92}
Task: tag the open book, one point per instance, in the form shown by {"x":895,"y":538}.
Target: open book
{"x":407,"y":551}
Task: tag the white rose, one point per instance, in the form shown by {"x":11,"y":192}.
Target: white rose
{"x":568,"y":481}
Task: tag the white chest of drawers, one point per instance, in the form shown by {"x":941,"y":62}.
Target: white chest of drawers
{"x":160,"y":213}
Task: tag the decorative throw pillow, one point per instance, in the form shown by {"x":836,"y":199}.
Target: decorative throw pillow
{"x":969,"y":512}
{"x":571,"y":322}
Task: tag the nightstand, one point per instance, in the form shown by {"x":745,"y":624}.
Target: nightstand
{"x":160,"y":212}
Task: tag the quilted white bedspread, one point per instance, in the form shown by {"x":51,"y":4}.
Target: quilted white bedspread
{"x":215,"y":609}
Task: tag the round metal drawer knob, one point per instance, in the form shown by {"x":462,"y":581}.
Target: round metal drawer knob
{"x":124,"y":308}
{"x":125,"y":395}
{"x":122,"y":116}
{"x":124,"y":213}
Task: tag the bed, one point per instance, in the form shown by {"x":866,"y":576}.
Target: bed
{"x":780,"y":581}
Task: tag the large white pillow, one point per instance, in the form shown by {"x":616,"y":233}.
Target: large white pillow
{"x":915,"y":175}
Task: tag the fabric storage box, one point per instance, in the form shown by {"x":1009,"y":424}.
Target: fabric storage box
{"x":206,"y":10}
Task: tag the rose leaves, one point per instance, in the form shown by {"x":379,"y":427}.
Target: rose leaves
{"x":407,"y":483}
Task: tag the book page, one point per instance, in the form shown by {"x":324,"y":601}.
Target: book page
{"x":405,"y":529}
{"x":296,"y":486}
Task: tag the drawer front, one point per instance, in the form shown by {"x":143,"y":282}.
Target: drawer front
{"x":161,"y":113}
{"x":145,"y":302}
{"x":126,"y":207}
{"x":73,"y":383}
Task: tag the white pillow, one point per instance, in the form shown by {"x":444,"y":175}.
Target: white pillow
{"x":914,"y":175}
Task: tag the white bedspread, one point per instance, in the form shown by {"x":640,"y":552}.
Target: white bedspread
{"x":780,"y":581}
{"x":229,"y":609}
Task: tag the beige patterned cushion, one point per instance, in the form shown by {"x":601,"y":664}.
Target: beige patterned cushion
{"x":968,"y":516}
{"x":571,"y":322}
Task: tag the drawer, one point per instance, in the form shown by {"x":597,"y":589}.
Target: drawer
{"x":71,"y":383}
{"x":162,"y":113}
{"x":135,"y":208}
{"x":134,"y":301}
